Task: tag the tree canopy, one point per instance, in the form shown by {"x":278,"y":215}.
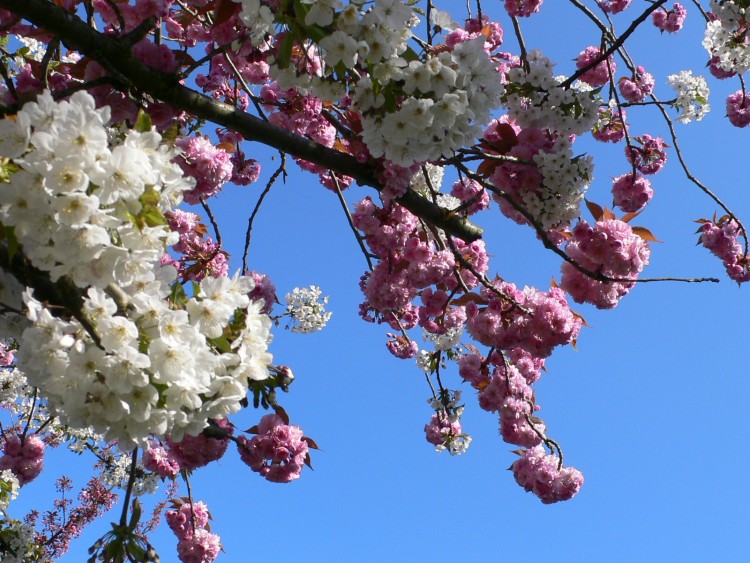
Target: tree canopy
{"x":134,"y":337}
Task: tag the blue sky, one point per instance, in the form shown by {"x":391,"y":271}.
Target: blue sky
{"x":652,"y":407}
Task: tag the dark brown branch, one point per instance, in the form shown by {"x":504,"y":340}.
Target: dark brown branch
{"x":115,"y":55}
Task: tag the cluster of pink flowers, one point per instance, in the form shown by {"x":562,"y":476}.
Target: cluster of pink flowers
{"x":631,"y":192}
{"x":472,"y":194}
{"x":264,"y":290}
{"x":24,"y":456}
{"x":200,"y":255}
{"x":611,"y":126}
{"x":410,"y":263}
{"x":650,"y":157}
{"x":533,"y":320}
{"x":187,"y":454}
{"x":278,"y":451}
{"x":196,"y":543}
{"x":670,"y":20}
{"x":507,"y":391}
{"x":7,"y":354}
{"x":522,"y":8}
{"x":209,"y":165}
{"x":445,"y":432}
{"x":613,"y":6}
{"x":639,"y":87}
{"x":542,"y":475}
{"x":611,"y":248}
{"x":720,"y":237}
{"x":600,"y":73}
{"x":738,"y":109}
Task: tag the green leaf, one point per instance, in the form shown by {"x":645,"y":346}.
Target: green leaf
{"x":135,"y":514}
{"x":13,"y":244}
{"x":285,"y":51}
{"x":143,"y":122}
{"x":153,"y":217}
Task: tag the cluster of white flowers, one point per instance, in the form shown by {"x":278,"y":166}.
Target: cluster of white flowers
{"x":419,"y":182}
{"x":443,"y":100}
{"x":453,"y":403}
{"x":565,"y":181}
{"x":447,"y":100}
{"x":34,"y":50}
{"x":446,"y":341}
{"x":451,"y":412}
{"x":534,"y":98}
{"x":692,"y":95}
{"x":19,"y":542}
{"x":138,"y":359}
{"x":9,"y":487}
{"x":306,"y":307}
{"x":115,"y":472}
{"x":726,"y":36}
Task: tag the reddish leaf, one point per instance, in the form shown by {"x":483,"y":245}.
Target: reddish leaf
{"x":469,"y":297}
{"x":596,"y":211}
{"x":308,"y":461}
{"x":311,"y":443}
{"x":282,"y":413}
{"x":227,"y":147}
{"x":645,"y":234}
{"x":252,"y":430}
{"x":487,"y":167}
{"x":507,"y":140}
{"x":628,"y":216}
{"x":224,"y":10}
{"x":608,"y":214}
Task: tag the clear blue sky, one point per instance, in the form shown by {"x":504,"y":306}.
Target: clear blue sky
{"x":652,"y":407}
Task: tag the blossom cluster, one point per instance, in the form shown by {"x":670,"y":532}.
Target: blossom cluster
{"x":534,"y":97}
{"x":536,"y":321}
{"x":720,"y":237}
{"x":631,"y":192}
{"x":138,"y":359}
{"x":190,"y":523}
{"x":726,"y":37}
{"x":306,"y":308}
{"x":611,"y":248}
{"x":278,"y":451}
{"x":444,"y":430}
{"x":670,"y":20}
{"x":190,"y":453}
{"x":541,"y":175}
{"x":24,"y":456}
{"x":692,"y":95}
{"x":410,"y":113}
{"x":541,"y":474}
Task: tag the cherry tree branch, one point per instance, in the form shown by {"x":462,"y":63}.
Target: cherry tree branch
{"x":115,"y":55}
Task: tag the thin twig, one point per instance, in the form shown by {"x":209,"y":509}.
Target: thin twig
{"x":280,"y":170}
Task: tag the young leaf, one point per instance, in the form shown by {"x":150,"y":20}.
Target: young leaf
{"x":596,"y":211}
{"x":645,"y":234}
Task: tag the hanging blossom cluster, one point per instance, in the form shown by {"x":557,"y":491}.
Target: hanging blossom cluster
{"x":190,"y":523}
{"x":541,"y":474}
{"x":278,"y":451}
{"x":611,"y":248}
{"x":138,"y":359}
{"x":720,"y":237}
